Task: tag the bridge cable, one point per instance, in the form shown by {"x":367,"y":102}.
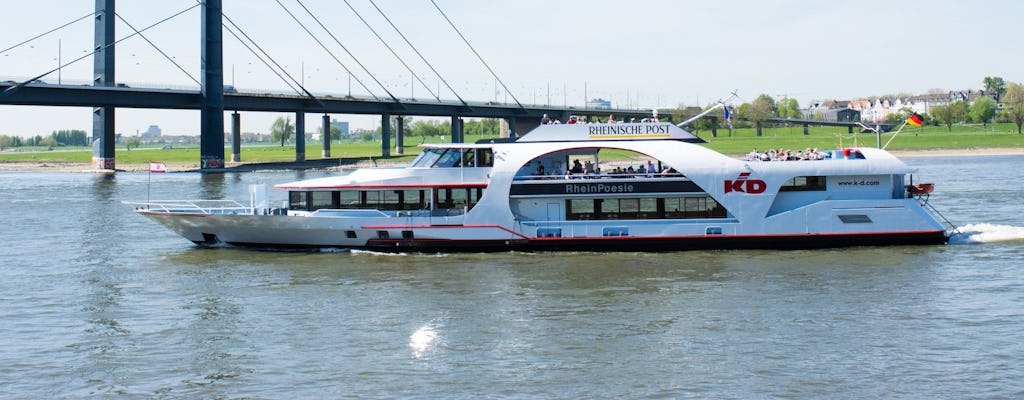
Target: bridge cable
{"x":317,"y":40}
{"x":339,"y":44}
{"x":477,"y":54}
{"x":285,"y":72}
{"x":419,"y":54}
{"x":258,"y":57}
{"x":49,"y":31}
{"x":158,"y":49}
{"x":399,"y":58}
{"x":18,"y":86}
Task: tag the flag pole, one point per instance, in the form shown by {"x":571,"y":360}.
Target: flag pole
{"x":149,"y":180}
{"x":894,"y":135}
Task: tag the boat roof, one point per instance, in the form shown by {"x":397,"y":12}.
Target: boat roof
{"x":605,"y":132}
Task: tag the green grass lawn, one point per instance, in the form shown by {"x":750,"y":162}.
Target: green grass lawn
{"x":923,"y":138}
{"x":741,"y":141}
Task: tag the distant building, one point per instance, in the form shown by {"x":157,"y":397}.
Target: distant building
{"x":152,"y":133}
{"x":342,"y":125}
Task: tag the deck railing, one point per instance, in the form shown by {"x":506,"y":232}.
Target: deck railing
{"x":193,"y":206}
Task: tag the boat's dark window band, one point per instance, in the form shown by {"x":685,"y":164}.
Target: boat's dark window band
{"x":689,"y":207}
{"x":604,"y":187}
{"x":804,"y":183}
{"x":405,"y":199}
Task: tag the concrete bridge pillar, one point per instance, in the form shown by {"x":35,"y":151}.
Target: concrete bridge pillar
{"x":456,"y":127}
{"x":326,"y":126}
{"x":385,"y":135}
{"x":103,"y":138}
{"x":300,"y":136}
{"x":399,"y":135}
{"x":211,"y":112}
{"x":236,"y":137}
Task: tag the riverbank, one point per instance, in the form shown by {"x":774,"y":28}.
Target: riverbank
{"x":342,"y":163}
{"x":328,"y":164}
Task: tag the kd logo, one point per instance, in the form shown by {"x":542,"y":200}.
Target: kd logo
{"x":743,"y":184}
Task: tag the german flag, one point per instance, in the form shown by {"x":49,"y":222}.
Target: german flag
{"x":915,"y":119}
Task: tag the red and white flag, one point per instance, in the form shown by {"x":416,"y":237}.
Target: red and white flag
{"x":157,"y":167}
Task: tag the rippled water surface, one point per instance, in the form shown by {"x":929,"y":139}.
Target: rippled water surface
{"x":96,"y":301}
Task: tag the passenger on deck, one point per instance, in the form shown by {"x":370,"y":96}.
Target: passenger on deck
{"x":540,"y":170}
{"x":611,"y":119}
{"x":545,"y":120}
{"x":577,"y":168}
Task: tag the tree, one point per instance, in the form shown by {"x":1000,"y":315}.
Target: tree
{"x":6,"y":141}
{"x":983,"y":109}
{"x":282,"y":129}
{"x":959,"y":110}
{"x":430,"y":128}
{"x":995,"y":86}
{"x":133,"y":142}
{"x":789,"y":108}
{"x":1013,"y":104}
{"x":943,"y":115}
{"x":762,"y":108}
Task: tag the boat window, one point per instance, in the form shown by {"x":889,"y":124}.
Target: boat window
{"x":457,"y":198}
{"x":349,"y":199}
{"x":803,"y":183}
{"x":390,"y":200}
{"x":581,"y":208}
{"x":469,"y":158}
{"x":322,"y":199}
{"x":413,"y":199}
{"x":405,"y":199}
{"x":688,"y":207}
{"x":297,"y":200}
{"x":485,"y":158}
{"x":450,"y":158}
{"x":427,"y":158}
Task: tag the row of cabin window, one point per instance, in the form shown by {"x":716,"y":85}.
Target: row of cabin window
{"x":407,"y":199}
{"x":690,"y":207}
{"x":452,"y":158}
{"x":803,"y":184}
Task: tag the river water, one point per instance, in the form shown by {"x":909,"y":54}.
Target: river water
{"x":96,"y":301}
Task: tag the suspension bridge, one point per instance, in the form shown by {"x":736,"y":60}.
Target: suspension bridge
{"x":213,"y":99}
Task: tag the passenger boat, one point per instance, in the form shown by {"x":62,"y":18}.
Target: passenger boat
{"x":564,"y":187}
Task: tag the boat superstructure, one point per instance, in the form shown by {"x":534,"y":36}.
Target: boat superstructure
{"x":635,"y":186}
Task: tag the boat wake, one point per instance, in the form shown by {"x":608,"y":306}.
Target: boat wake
{"x":987,"y":233}
{"x":334,"y":250}
{"x":374,"y":253}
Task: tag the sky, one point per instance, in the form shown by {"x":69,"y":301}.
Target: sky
{"x":644,"y":53}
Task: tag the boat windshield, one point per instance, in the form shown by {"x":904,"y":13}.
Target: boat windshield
{"x":454,"y":157}
{"x":427,"y":158}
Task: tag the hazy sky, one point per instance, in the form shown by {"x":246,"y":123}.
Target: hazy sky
{"x":639,"y":53}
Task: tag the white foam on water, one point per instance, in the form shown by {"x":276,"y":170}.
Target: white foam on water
{"x":987,"y":233}
{"x":334,"y":250}
{"x":422,"y":340}
{"x":374,"y":253}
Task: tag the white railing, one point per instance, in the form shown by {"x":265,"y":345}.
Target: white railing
{"x":193,"y":206}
